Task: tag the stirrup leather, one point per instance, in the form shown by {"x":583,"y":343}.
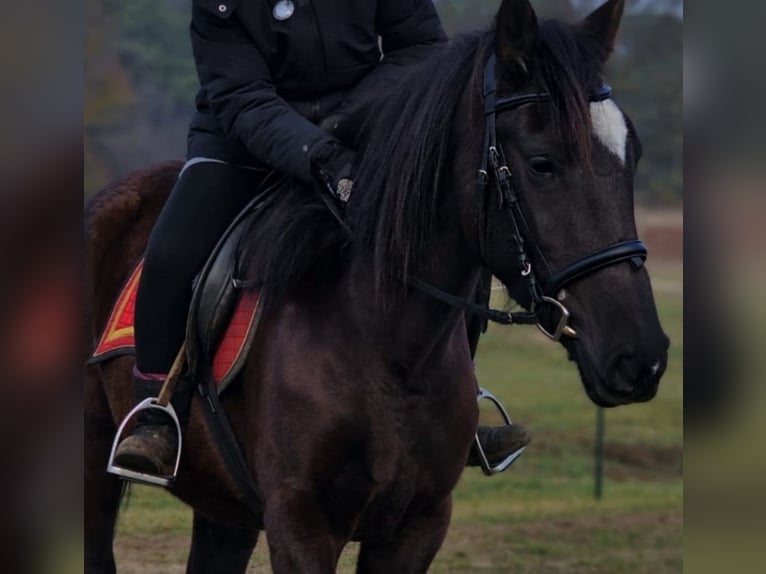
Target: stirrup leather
{"x":486,"y":467}
{"x":143,"y":477}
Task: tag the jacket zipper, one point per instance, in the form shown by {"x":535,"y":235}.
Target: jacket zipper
{"x":322,"y":79}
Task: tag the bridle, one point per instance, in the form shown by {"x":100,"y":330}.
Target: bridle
{"x":494,"y":174}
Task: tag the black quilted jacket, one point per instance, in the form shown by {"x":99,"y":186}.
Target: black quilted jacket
{"x":269,"y":70}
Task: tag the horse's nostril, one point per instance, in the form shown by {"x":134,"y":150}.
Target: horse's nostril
{"x":656,"y":370}
{"x":622,"y":374}
{"x":630,"y":373}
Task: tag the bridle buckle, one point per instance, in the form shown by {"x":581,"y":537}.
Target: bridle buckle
{"x":494,"y":157}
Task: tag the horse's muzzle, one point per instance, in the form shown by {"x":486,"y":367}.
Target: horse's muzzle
{"x":633,"y":376}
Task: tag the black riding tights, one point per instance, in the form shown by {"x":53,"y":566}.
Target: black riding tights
{"x":205,"y":200}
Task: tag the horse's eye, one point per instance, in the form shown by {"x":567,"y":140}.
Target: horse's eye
{"x":542,"y":166}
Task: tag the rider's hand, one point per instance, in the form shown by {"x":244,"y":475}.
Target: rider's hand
{"x":331,"y":123}
{"x":337,"y":172}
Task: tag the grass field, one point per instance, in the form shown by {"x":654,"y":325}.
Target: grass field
{"x":540,"y":516}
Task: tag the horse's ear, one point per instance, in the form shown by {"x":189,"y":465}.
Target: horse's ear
{"x":602,"y":24}
{"x":515,"y":34}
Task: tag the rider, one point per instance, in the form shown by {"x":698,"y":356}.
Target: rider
{"x":270,"y":72}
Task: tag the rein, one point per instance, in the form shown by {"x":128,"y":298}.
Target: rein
{"x":494,"y":315}
{"x":494,"y":169}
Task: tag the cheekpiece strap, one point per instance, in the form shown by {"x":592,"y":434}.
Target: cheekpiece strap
{"x":490,"y":85}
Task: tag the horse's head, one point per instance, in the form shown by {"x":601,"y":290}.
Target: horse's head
{"x":571,"y":154}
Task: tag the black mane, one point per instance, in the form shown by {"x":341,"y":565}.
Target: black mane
{"x":403,"y":137}
{"x":406,"y":141}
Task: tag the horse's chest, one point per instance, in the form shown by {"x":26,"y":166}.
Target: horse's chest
{"x":388,"y":507}
{"x":416,"y":460}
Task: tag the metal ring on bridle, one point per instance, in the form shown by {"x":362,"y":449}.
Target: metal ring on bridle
{"x":563,"y":323}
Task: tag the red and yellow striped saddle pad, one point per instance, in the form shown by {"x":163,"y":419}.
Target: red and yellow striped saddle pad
{"x":118,"y":337}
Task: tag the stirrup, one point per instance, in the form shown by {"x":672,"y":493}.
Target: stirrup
{"x":486,"y":467}
{"x":143,"y":477}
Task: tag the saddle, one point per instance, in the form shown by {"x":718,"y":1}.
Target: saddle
{"x":223,"y":316}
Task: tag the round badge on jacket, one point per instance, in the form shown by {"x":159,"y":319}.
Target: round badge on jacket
{"x":283,"y":9}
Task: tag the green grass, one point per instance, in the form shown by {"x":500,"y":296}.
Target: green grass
{"x":540,"y":516}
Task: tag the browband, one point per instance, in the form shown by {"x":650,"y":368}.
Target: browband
{"x":493,"y":104}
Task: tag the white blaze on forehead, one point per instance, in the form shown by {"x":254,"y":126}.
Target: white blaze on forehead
{"x":610,"y":127}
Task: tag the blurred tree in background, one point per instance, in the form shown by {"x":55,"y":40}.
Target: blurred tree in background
{"x":140,"y":81}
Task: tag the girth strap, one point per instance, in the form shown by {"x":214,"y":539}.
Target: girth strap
{"x":228,"y":447}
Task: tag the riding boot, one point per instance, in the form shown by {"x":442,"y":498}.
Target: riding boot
{"x":153,"y":445}
{"x":498,"y":443}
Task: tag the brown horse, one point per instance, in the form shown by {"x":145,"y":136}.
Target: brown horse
{"x":357,"y":406}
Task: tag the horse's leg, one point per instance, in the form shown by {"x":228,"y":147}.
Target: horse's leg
{"x":102,"y":502}
{"x":299,"y":533}
{"x":219,"y":549}
{"x":414,"y":547}
{"x":102,"y":490}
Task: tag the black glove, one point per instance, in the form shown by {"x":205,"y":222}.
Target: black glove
{"x":336,"y":170}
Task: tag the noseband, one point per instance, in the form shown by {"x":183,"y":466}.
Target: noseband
{"x":494,"y":174}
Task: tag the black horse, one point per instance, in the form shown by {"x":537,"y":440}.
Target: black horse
{"x":357,"y":407}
